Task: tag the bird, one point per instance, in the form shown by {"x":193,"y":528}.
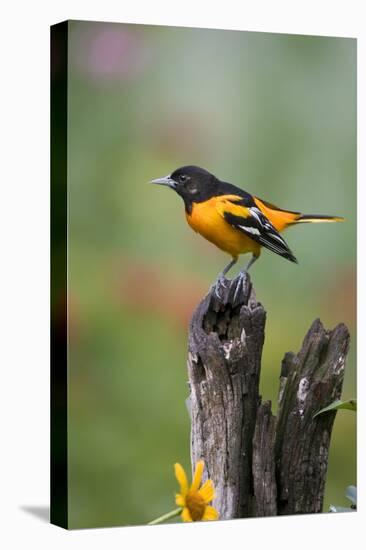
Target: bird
{"x":234,"y":220}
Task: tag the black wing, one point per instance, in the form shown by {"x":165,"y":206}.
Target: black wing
{"x":259,"y":228}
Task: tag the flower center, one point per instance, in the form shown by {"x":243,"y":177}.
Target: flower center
{"x":196,"y":505}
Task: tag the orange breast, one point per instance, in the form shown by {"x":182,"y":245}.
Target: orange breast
{"x":207,"y":219}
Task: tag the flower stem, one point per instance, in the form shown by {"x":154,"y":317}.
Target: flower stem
{"x":167,"y":516}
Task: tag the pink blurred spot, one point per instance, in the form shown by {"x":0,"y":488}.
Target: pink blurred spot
{"x":112,"y":53}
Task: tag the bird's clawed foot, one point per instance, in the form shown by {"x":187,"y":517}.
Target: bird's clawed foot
{"x":239,"y":285}
{"x":219,"y":286}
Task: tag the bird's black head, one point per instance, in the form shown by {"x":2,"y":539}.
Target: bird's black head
{"x":192,"y":183}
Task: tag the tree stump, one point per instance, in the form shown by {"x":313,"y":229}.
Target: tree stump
{"x":261,"y":465}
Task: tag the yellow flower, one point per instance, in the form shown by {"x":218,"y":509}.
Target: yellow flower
{"x":194,"y":499}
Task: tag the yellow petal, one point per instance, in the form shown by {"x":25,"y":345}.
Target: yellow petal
{"x":186,"y":516}
{"x":207,"y":491}
{"x":197,"y":475}
{"x":181,"y":478}
{"x":180,"y":500}
{"x":210,"y":514}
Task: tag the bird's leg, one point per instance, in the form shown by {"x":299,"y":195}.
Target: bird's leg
{"x":251,"y":262}
{"x":220,"y":279}
{"x":242,"y":276}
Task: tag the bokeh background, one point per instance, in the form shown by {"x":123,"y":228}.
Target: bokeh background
{"x":274,"y":114}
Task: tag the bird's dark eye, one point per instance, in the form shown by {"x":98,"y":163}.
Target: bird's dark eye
{"x":182,"y":178}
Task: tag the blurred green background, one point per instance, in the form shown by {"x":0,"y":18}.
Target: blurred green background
{"x":274,"y":114}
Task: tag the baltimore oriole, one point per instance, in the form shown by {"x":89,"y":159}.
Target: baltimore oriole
{"x":232,"y":219}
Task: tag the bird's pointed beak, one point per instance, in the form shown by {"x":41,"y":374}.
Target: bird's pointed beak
{"x":167,"y":180}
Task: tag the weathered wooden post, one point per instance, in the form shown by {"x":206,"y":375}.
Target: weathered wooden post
{"x":260,"y":465}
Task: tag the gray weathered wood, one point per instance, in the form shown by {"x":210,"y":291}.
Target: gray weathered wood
{"x":311,"y":380}
{"x":225,"y":347}
{"x":264,"y":471}
{"x":260,"y":465}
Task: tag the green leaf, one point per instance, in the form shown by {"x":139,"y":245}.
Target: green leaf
{"x":350,"y":404}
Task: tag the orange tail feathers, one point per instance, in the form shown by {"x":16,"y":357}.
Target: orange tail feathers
{"x":282,"y":219}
